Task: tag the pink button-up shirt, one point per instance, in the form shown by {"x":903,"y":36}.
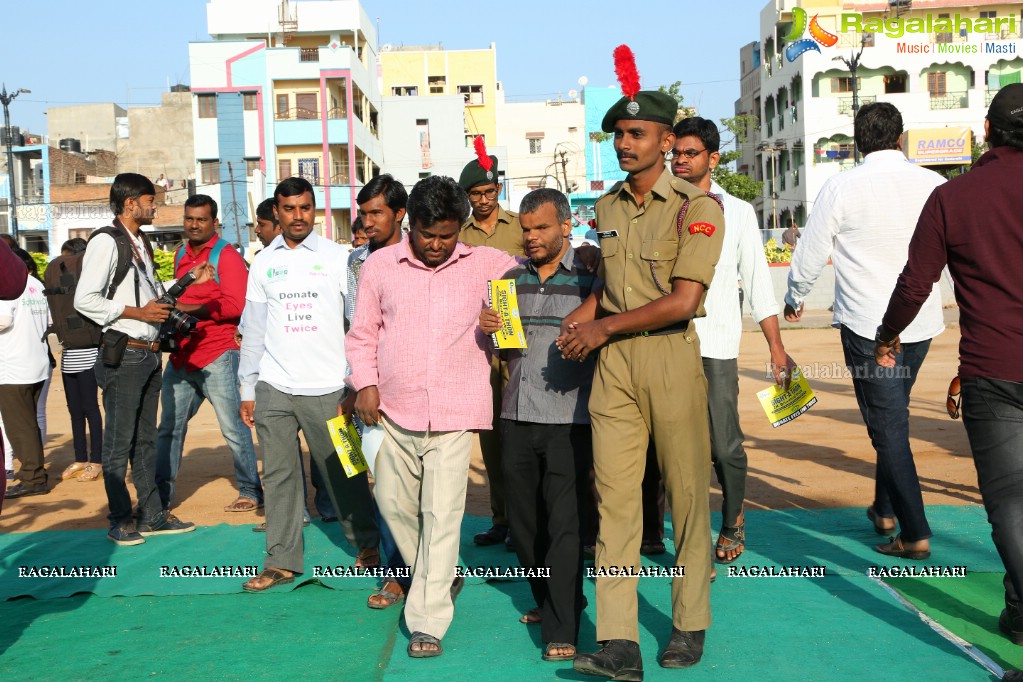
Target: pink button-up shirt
{"x":416,"y":337}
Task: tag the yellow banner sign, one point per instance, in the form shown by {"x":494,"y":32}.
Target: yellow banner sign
{"x":936,"y":146}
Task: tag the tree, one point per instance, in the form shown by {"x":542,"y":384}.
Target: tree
{"x":737,"y":184}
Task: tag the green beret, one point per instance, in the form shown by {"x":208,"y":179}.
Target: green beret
{"x":648,"y":105}
{"x":473,"y":174}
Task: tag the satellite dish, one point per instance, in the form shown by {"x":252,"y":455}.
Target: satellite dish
{"x":572,"y":94}
{"x":583,"y":80}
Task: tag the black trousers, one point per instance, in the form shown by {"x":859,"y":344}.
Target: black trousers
{"x":993,"y":416}
{"x":81,"y":393}
{"x":545,"y":466}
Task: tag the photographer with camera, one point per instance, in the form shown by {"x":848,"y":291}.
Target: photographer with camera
{"x":204,"y":356}
{"x":118,"y":291}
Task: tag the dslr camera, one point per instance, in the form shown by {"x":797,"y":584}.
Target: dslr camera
{"x":178,"y":323}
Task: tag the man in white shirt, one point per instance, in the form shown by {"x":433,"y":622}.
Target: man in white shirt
{"x":292,"y":375}
{"x":695,"y":155}
{"x":24,"y":368}
{"x":863,"y":220}
{"x":130,"y":315}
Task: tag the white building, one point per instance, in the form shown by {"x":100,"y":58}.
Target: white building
{"x":940,"y":62}
{"x":546,"y":144}
{"x":424,"y":136}
{"x":285,"y":89}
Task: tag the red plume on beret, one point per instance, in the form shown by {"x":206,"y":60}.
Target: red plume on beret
{"x":625,"y":69}
{"x":486,"y":163}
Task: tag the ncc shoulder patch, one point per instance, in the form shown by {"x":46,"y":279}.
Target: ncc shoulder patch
{"x":702,"y":228}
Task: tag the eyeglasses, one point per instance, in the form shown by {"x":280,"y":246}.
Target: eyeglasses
{"x":688,"y":153}
{"x":488,"y":193}
{"x":954,"y":398}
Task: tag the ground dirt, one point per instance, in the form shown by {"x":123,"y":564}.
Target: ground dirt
{"x":822,"y":459}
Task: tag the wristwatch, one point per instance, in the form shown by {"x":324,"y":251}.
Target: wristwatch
{"x":879,"y":337}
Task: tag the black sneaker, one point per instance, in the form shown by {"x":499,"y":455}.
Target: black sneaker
{"x":22,"y":490}
{"x":684,"y":649}
{"x":125,"y":535}
{"x":168,"y":525}
{"x":491,"y":536}
{"x":618,"y":659}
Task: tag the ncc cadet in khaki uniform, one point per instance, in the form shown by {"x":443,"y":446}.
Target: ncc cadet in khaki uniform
{"x":649,"y":381}
{"x":490,"y":225}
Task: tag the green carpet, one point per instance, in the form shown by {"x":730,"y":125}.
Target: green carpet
{"x":968,"y":607}
{"x":844,"y":626}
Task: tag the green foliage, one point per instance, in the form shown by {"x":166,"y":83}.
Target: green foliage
{"x":42,"y":260}
{"x":777,"y":254}
{"x":164,"y":265}
{"x":950,"y":172}
{"x":738,"y":185}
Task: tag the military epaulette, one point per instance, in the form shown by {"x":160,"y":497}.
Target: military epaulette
{"x":686,"y":188}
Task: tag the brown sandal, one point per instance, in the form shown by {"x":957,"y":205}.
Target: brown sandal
{"x":275,"y":577}
{"x":532,"y":616}
{"x":243,"y":504}
{"x":368,"y":558}
{"x":388,"y":595}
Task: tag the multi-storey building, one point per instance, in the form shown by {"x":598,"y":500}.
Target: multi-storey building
{"x":546,"y":144}
{"x":429,"y":71}
{"x":285,"y":89}
{"x":939,"y":61}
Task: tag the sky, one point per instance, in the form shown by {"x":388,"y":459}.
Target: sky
{"x":77,"y":52}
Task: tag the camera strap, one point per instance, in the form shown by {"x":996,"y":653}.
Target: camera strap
{"x":140,"y":266}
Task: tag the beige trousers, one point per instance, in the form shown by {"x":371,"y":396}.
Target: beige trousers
{"x":421,"y":478}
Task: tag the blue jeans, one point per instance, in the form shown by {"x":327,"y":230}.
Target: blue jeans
{"x":883,"y":396}
{"x":183,"y":394}
{"x":993,"y":415}
{"x":131,"y":394}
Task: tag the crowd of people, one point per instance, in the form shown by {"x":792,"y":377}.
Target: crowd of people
{"x":625,"y":398}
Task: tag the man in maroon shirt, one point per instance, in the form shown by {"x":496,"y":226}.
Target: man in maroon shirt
{"x":13,"y":274}
{"x":973,"y":224}
{"x":205,"y":364}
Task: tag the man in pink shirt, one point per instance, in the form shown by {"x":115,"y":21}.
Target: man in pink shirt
{"x":420,"y":366}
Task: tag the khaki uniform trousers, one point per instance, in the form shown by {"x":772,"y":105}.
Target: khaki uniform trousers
{"x":421,"y":478}
{"x":651,"y":386}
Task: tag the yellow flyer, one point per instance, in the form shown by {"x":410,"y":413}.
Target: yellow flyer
{"x":784,"y":406}
{"x":348,"y":446}
{"x":505,"y":302}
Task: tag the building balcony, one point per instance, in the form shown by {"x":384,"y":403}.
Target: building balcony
{"x":949,"y":100}
{"x":770,"y":128}
{"x":988,"y":96}
{"x":845,"y":104}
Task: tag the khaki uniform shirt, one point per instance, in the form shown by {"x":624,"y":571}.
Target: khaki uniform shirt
{"x":635,"y":239}
{"x":507,"y":234}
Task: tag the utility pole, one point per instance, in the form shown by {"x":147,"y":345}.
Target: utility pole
{"x":564,"y":170}
{"x":6,"y":100}
{"x":774,"y":193}
{"x":853,"y":63}
{"x":234,"y":210}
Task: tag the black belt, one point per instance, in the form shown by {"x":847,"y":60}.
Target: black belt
{"x":677,"y":328}
{"x":153,"y":346}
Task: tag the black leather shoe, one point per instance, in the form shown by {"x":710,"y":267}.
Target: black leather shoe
{"x":684,"y":649}
{"x":491,"y":536}
{"x":22,"y":490}
{"x":509,"y":546}
{"x":618,"y":659}
{"x":1011,"y":621}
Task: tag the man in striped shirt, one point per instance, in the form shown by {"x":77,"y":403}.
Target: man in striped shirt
{"x":545,"y":422}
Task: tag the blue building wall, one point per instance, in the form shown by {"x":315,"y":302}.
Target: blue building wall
{"x":231,"y":143}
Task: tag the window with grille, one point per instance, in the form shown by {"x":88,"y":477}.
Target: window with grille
{"x":283,"y":169}
{"x":438,"y":84}
{"x":209,"y":172}
{"x":936,"y":84}
{"x":251,"y":166}
{"x":207,"y":106}
{"x":473,"y":94}
{"x":249,"y":101}
{"x":404,"y":91}
{"x":535,"y":145}
{"x":843,"y":84}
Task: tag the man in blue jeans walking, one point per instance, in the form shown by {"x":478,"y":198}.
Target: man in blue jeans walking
{"x":863,"y":220}
{"x":204,"y":365}
{"x":974,"y":226}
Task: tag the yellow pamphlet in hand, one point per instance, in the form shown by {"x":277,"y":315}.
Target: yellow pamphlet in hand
{"x":504,"y":301}
{"x":348,"y":446}
{"x":784,"y":406}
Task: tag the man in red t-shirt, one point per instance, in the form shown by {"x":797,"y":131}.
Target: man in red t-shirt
{"x":205,"y":364}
